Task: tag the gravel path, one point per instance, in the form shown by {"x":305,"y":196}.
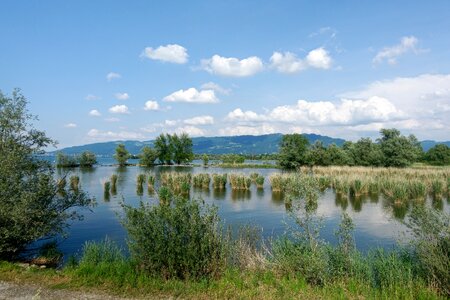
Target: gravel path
{"x":24,"y":292}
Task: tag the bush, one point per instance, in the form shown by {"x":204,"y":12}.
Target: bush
{"x":181,"y":240}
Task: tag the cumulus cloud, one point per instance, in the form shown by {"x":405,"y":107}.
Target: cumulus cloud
{"x":319,"y":58}
{"x":100,"y":135}
{"x":200,"y":120}
{"x":390,"y":54}
{"x":170,"y":53}
{"x":121,"y":96}
{"x":192,"y":95}
{"x":95,"y":113}
{"x":239,"y":115}
{"x":233,"y":67}
{"x":215,"y":87}
{"x":111,"y":75}
{"x":151,"y":105}
{"x":288,"y":62}
{"x":190,"y":130}
{"x":91,"y":97}
{"x":70,"y":125}
{"x":119,"y":109}
{"x":248,"y":130}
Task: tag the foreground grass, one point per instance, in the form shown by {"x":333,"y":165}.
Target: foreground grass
{"x":235,"y":284}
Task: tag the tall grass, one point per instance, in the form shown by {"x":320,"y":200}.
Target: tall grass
{"x":240,"y":182}
{"x":219,"y":181}
{"x":113,"y":180}
{"x":201,"y":180}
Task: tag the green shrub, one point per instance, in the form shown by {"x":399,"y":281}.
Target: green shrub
{"x":181,"y":240}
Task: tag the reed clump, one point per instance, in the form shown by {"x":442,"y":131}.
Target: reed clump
{"x":259,"y":182}
{"x":178,"y":183}
{"x":74,"y":183}
{"x":201,"y":180}
{"x":254,"y":176}
{"x":61,"y":184}
{"x":113,"y":180}
{"x":240,"y":182}
{"x":151,"y":184}
{"x":219,"y":181}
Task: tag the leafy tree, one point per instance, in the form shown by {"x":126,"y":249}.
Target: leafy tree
{"x":205,"y":159}
{"x":439,"y":155}
{"x":293,"y":149}
{"x":148,"y":156}
{"x":317,"y":155}
{"x":163,"y":148}
{"x":181,"y":147}
{"x":398,"y":150}
{"x":30,"y":206}
{"x":121,"y":155}
{"x":337,"y":156}
{"x":366,"y":153}
{"x":65,"y":161}
{"x":87,"y":159}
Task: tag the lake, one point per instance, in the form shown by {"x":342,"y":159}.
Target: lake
{"x":377,"y":224}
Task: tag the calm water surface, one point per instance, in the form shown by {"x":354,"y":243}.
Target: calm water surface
{"x":377,"y":224}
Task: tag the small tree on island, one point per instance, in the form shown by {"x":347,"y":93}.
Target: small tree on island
{"x":163,"y":149}
{"x":30,"y":206}
{"x":148,"y":156}
{"x":121,"y":155}
{"x":205,"y":159}
{"x":87,"y":159}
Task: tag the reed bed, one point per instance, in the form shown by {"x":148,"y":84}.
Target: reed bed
{"x":113,"y":180}
{"x":201,"y":180}
{"x":259,"y":182}
{"x":240,"y":182}
{"x":219,"y":181}
{"x":151,"y":184}
{"x":254,"y":176}
{"x":397,"y":185}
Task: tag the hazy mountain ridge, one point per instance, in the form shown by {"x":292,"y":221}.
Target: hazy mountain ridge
{"x":243,"y":144}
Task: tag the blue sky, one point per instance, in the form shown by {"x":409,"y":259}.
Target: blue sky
{"x":113,"y":70}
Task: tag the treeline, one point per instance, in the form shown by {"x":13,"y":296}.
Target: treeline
{"x":168,"y":149}
{"x":85,"y":159}
{"x":390,"y":150}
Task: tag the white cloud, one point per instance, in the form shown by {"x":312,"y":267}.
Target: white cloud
{"x":390,"y":54}
{"x":170,"y":123}
{"x":70,"y":125}
{"x":230,"y":66}
{"x":319,"y":58}
{"x":99,"y":135}
{"x":170,"y":53}
{"x":215,"y":87}
{"x":151,"y":105}
{"x":91,"y":97}
{"x":239,"y":115}
{"x":190,"y":130}
{"x":121,"y":96}
{"x":288,"y":62}
{"x":192,"y":95}
{"x":119,"y":109}
{"x":111,"y":75}
{"x":200,"y":120}
{"x":248,"y":130}
{"x":95,"y":113}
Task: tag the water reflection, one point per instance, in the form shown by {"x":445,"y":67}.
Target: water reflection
{"x":241,"y":195}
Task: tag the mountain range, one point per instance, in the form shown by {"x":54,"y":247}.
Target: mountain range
{"x":243,"y":144}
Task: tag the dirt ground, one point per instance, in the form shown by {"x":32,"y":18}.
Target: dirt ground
{"x":24,"y":292}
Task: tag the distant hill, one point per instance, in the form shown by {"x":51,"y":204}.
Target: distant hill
{"x":426,"y":145}
{"x":243,"y":144}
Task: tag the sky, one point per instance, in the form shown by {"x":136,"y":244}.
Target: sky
{"x":97,"y":71}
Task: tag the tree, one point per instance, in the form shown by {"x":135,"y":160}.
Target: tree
{"x":366,"y":153}
{"x":65,"y":161}
{"x":293,"y":149}
{"x":163,"y":148}
{"x":121,"y":155}
{"x":398,"y":150}
{"x":233,"y":159}
{"x":205,"y":159}
{"x":181,"y":147}
{"x":30,"y":206}
{"x":148,"y":156}
{"x":337,"y":156}
{"x":317,"y":155}
{"x":439,"y":155}
{"x":87,"y":159}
